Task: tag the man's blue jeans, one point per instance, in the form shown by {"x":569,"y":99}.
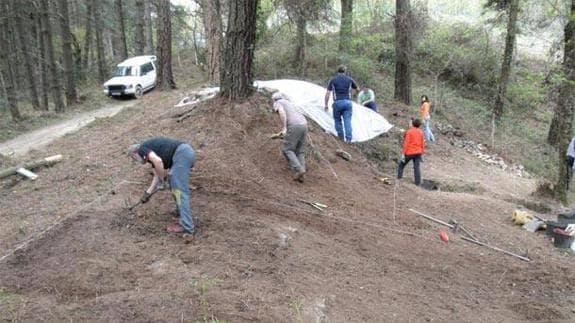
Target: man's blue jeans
{"x":427,"y":131}
{"x":371,"y":105}
{"x":342,"y":109}
{"x":183,"y":161}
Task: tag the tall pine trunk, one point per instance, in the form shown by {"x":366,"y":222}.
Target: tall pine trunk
{"x":122,"y":30}
{"x":301,"y":35}
{"x":100,"y":55}
{"x":25,"y":51}
{"x":403,"y":51}
{"x":6,"y":66}
{"x":236,"y":75}
{"x":213,"y":27}
{"x":565,"y":107}
{"x":346,"y":27}
{"x":149,"y":48}
{"x":68,"y":60}
{"x":43,"y":66}
{"x":55,"y":88}
{"x":140,"y":40}
{"x":88,"y":40}
{"x":513,"y":10}
{"x":165,"y":77}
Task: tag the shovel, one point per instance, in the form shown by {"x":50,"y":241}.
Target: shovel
{"x":131,"y":206}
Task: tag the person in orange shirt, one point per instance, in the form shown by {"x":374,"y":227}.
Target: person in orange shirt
{"x":426,"y":117}
{"x":413,"y":149}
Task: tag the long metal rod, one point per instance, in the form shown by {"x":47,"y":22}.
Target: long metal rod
{"x":496,"y":249}
{"x":432,"y":219}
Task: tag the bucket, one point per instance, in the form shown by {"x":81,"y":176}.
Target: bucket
{"x":561,"y":239}
{"x":566,"y":218}
{"x":551,"y":225}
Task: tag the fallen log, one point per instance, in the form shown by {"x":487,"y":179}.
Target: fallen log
{"x":48,"y":161}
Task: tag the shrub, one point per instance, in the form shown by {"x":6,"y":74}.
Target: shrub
{"x":460,"y":55}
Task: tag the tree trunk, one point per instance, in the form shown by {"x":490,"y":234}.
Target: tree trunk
{"x":403,"y":51}
{"x":565,"y":108}
{"x":100,"y":55}
{"x":25,"y":51}
{"x":346,"y":27}
{"x":68,"y":60}
{"x":299,"y":57}
{"x":140,"y":40}
{"x":236,"y":75}
{"x":507,"y":58}
{"x":77,"y":55}
{"x":213,"y":27}
{"x":165,"y":77}
{"x":55,"y":88}
{"x":6,"y":68}
{"x":149,"y":28}
{"x":88,"y":40}
{"x":43,"y":66}
{"x":15,"y":47}
{"x":122,"y":37}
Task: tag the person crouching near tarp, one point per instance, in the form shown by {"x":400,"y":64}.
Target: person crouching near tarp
{"x":413,"y":149}
{"x":294,"y":133}
{"x":366,"y":97}
{"x":426,"y":117}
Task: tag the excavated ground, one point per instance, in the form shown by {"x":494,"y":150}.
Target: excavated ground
{"x":260,"y":253}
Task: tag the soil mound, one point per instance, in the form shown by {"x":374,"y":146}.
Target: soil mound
{"x":261,"y":253}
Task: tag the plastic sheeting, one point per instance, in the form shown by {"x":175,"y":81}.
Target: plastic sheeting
{"x":309,"y":99}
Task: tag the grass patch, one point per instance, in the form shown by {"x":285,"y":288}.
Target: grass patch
{"x":202,"y":287}
{"x":9,"y":305}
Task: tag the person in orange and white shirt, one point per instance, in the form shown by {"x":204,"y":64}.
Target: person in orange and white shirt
{"x":413,"y":149}
{"x":426,"y":118}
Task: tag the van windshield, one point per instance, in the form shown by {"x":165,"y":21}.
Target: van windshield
{"x":123,"y":71}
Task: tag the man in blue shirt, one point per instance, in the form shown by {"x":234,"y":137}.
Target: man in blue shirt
{"x":341,"y":85}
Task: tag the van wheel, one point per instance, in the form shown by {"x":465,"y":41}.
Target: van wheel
{"x":139,"y":92}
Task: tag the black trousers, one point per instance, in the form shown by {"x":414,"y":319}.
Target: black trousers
{"x":416,"y":170}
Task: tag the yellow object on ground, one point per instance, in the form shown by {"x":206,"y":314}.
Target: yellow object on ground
{"x":278,"y":135}
{"x":521,"y":217}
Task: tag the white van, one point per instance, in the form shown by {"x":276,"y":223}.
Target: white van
{"x":132,"y":77}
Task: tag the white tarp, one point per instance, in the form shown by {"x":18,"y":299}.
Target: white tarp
{"x":309,"y":98}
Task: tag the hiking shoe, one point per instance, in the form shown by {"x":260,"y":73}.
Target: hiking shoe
{"x":299,"y":176}
{"x":176,"y":228}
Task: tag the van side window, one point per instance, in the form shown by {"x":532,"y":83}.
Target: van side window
{"x":146,"y":68}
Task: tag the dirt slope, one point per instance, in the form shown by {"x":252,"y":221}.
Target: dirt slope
{"x":260,"y":254}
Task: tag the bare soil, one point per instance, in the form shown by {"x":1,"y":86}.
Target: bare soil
{"x":260,"y":253}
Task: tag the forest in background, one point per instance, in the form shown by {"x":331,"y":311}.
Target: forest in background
{"x":500,"y":90}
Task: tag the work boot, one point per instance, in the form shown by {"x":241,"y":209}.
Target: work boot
{"x":299,"y":176}
{"x":175,"y":228}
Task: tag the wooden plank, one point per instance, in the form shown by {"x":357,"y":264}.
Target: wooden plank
{"x":26,"y":173}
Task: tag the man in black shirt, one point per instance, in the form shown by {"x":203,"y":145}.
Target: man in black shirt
{"x":169,"y":157}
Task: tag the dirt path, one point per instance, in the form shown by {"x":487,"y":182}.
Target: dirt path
{"x":39,"y":138}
